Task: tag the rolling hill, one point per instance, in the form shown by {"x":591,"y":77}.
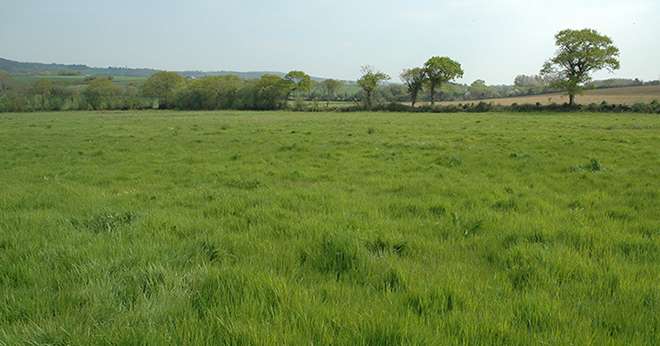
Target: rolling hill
{"x":31,"y":68}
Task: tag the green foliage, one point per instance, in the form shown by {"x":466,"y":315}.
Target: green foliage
{"x":163,"y":86}
{"x":441,"y":70}
{"x":43,"y":87}
{"x":99,"y":92}
{"x":5,"y":81}
{"x":330,"y":88}
{"x":414,"y":80}
{"x":269,"y":92}
{"x":580,"y":52}
{"x":300,"y":82}
{"x":230,"y":92}
{"x":369,"y":82}
{"x":478,"y":89}
{"x":209,"y":93}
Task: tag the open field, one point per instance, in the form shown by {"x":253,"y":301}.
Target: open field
{"x":629,"y":96}
{"x":276,"y":228}
{"x":75,"y":80}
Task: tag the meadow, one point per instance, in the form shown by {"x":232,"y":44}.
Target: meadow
{"x":282,"y":228}
{"x":76,"y":80}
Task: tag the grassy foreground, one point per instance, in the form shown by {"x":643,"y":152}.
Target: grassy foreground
{"x":156,"y":228}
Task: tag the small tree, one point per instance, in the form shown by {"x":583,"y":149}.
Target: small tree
{"x":414,"y":80}
{"x":478,"y":89}
{"x":300,"y":82}
{"x":580,"y":52}
{"x":99,"y":91}
{"x":330,"y":87}
{"x":441,"y":70}
{"x":43,"y":88}
{"x":370,"y":81}
{"x":163,"y":86}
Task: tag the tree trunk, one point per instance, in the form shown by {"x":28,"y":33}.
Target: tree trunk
{"x":432,"y":94}
{"x":571,"y":100}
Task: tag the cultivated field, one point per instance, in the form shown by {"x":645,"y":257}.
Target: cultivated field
{"x":274,"y":228}
{"x":628,"y":95}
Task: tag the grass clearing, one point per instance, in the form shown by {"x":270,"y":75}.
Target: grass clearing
{"x":326,"y":228}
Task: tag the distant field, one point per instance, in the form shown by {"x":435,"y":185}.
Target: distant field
{"x":276,"y":228}
{"x":629,"y":95}
{"x":74,"y":80}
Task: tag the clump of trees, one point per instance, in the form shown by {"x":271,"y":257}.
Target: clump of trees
{"x":46,"y":95}
{"x":230,"y":92}
{"x":164,"y":86}
{"x":435,"y":73}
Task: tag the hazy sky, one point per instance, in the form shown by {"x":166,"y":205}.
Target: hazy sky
{"x":494,"y":40}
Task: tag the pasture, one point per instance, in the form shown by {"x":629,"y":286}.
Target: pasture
{"x":77,"y":80}
{"x":153,"y":228}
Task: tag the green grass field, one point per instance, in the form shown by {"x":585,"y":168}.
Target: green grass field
{"x":156,"y":228}
{"x":26,"y":80}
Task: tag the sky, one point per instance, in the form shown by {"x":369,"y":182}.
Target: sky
{"x":494,"y":40}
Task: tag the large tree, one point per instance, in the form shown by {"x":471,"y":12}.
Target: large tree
{"x":163,"y":86}
{"x":414,"y":80}
{"x":441,"y":70}
{"x":370,"y":81}
{"x":580,"y":52}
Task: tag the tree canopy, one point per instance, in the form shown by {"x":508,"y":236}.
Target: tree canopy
{"x":579,"y":53}
{"x":163,"y":85}
{"x":300,"y":81}
{"x":370,"y":81}
{"x":441,"y":70}
{"x":414,"y":80}
{"x":99,"y":91}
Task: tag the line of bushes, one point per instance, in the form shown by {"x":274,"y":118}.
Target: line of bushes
{"x":98,"y":94}
{"x":483,"y":107}
{"x":161,"y":91}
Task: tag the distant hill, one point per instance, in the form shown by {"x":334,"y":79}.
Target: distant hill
{"x":15,"y":67}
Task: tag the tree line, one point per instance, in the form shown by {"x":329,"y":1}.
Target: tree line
{"x":579,"y":54}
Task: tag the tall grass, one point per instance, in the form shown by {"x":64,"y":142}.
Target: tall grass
{"x":290,"y":228}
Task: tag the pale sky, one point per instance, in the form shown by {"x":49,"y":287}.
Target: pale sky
{"x":494,"y":40}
